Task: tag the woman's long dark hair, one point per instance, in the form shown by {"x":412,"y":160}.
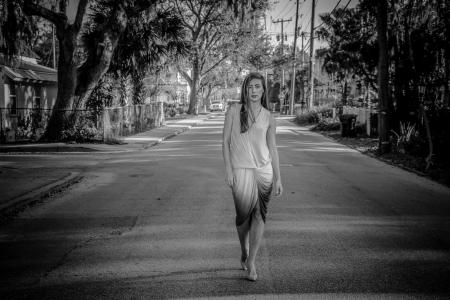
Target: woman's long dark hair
{"x":244,"y":98}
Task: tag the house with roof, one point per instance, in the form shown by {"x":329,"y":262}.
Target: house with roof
{"x":27,"y":94}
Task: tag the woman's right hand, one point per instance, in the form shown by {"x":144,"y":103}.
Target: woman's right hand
{"x":230,"y":178}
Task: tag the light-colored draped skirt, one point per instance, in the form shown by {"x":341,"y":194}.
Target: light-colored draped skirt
{"x":251,"y":191}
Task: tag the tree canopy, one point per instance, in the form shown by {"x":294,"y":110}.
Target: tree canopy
{"x":418,"y":58}
{"x":90,"y":35}
{"x":213,"y":37}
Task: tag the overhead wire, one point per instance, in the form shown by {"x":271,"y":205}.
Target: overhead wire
{"x":338,"y":16}
{"x":289,"y":9}
{"x":310,"y":18}
{"x":307,"y":44}
{"x":334,"y":8}
{"x":330,"y":13}
{"x":308,"y":13}
{"x":284,"y":9}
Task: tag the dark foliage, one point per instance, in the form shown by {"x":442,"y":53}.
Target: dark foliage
{"x":16,"y":28}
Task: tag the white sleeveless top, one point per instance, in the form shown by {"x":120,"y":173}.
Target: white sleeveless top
{"x":249,"y":149}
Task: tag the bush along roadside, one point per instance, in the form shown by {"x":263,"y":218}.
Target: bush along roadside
{"x":405,"y":151}
{"x":408,"y":144}
{"x":84,"y":130}
{"x":320,"y":114}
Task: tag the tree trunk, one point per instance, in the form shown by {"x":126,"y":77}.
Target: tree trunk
{"x":302,"y":91}
{"x":206,"y":100}
{"x":97,"y":63}
{"x":445,"y":15}
{"x":75,"y":84}
{"x":344,"y":93}
{"x":138,"y":89}
{"x":383,"y":116}
{"x":193,"y":85}
{"x":401,"y":79}
{"x":66,"y":88}
{"x":429,"y":158}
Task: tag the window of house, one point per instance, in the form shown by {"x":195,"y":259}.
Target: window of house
{"x":37,"y":113}
{"x":13,"y":99}
{"x":37,"y":98}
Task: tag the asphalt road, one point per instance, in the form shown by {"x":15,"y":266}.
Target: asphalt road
{"x":159,"y":223}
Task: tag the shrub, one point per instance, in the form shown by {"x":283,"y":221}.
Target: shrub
{"x":113,"y":140}
{"x":325,"y":125}
{"x":83,"y":130}
{"x":404,"y":139}
{"x":440,"y":128}
{"x":170,"y":111}
{"x":360,"y":130}
{"x":310,"y":117}
{"x":325,"y":112}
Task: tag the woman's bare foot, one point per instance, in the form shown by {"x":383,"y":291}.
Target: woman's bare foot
{"x":244,"y":262}
{"x":252,"y":276}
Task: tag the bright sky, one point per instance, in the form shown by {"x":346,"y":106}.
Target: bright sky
{"x":285,"y":9}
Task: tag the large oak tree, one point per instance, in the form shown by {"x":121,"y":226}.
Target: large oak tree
{"x":214,"y":36}
{"x":80,"y":65}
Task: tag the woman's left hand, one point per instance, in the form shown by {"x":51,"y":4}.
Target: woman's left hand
{"x":278,"y":188}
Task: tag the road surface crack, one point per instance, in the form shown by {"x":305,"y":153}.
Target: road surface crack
{"x":126,"y":229}
{"x":64,"y":258}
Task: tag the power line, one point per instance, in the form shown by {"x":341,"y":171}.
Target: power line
{"x":305,"y":15}
{"x":338,"y":16}
{"x":347,"y":4}
{"x":307,"y":44}
{"x":330,"y":13}
{"x":309,"y":22}
{"x":277,"y":33}
{"x":345,"y":7}
{"x":283,"y":10}
{"x":308,"y":11}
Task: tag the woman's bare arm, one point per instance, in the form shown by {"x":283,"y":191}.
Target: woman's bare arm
{"x":272,"y":144}
{"x":226,"y":146}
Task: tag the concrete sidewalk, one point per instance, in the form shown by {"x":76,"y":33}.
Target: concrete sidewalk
{"x":22,"y":186}
{"x":138,"y":141}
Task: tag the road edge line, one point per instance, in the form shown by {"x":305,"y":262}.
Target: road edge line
{"x":39,"y":194}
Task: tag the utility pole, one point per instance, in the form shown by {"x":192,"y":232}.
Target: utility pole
{"x":301,"y":66}
{"x":53,"y":46}
{"x":291,"y":106}
{"x":311,"y":55}
{"x":282,"y":41}
{"x":303,"y":48}
{"x":267,"y":89}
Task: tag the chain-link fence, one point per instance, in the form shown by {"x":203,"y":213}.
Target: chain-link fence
{"x":29,"y":124}
{"x":127,"y":120}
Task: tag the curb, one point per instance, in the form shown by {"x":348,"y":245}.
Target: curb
{"x":166,"y":137}
{"x":398,"y":165}
{"x":386,"y":161}
{"x":97,"y":151}
{"x":55,"y":149}
{"x":171,"y":135}
{"x":18,"y":203}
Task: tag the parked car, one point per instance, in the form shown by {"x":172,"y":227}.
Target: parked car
{"x":231,"y":101}
{"x":216,"y":106}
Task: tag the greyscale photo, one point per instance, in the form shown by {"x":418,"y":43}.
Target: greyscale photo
{"x":224,"y":149}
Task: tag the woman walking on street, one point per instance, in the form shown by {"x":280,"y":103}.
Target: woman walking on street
{"x":251,"y":165}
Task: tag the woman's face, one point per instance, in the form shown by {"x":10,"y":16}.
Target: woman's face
{"x":255,"y":90}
